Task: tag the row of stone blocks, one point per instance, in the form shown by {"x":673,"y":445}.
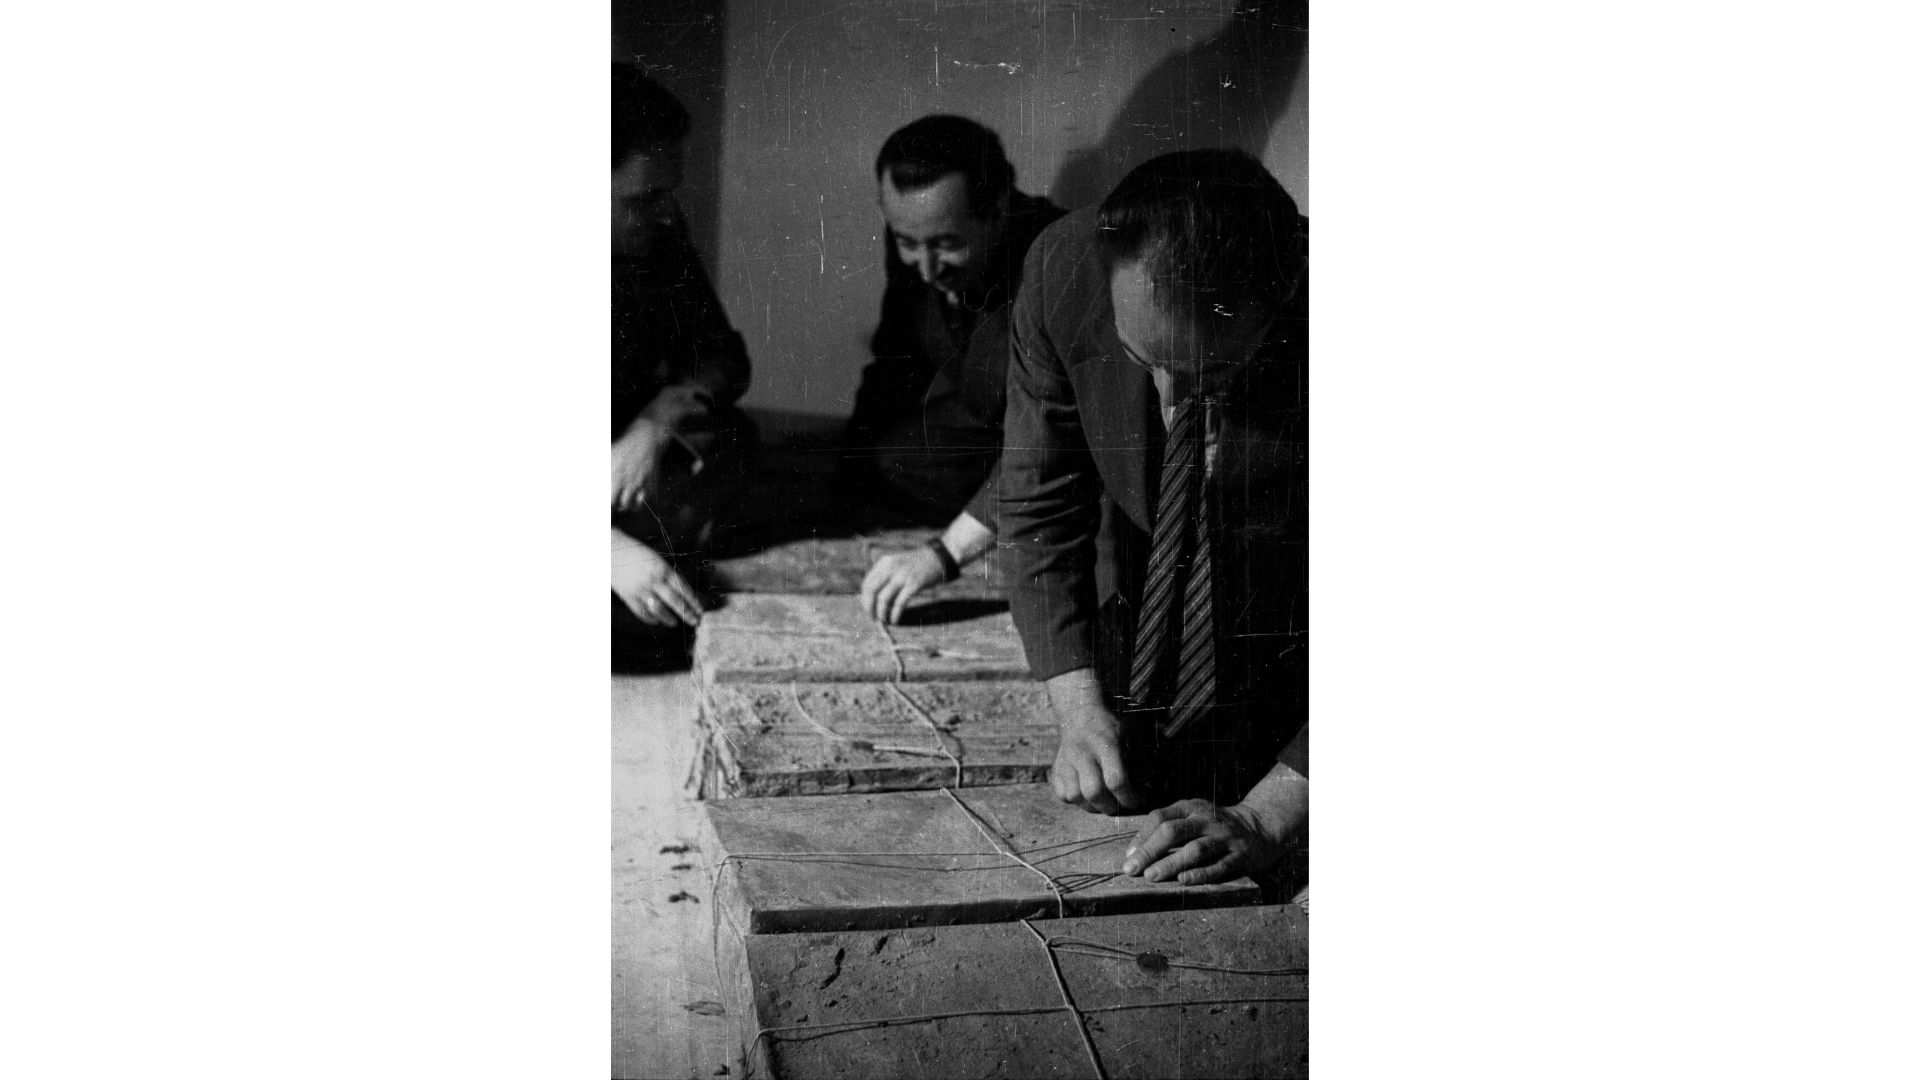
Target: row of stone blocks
{"x":980,"y":932}
{"x":896,"y":892}
{"x":805,"y":695}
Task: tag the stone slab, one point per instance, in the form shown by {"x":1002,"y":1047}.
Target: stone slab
{"x":910,"y":859}
{"x":836,"y":565}
{"x":770,"y":637}
{"x":768,"y":739}
{"x":1135,"y":1016}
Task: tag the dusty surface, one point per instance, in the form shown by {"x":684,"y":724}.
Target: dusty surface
{"x":913,"y":859}
{"x":833,"y":738}
{"x":662,"y":947}
{"x":839,"y":978}
{"x":837,"y":565}
{"x":767,"y":637}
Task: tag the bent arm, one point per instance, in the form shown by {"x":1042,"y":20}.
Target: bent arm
{"x":1048,"y":494}
{"x":967,"y":538}
{"x":1279,"y":802}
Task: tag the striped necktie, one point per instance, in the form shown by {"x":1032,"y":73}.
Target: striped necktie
{"x":1182,"y":524}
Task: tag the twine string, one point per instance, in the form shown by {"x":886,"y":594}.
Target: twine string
{"x":793,"y":692}
{"x":1071,"y":882}
{"x":804,"y":1032}
{"x":1059,"y":895}
{"x":893,"y":650}
{"x":1066,"y":998}
{"x":1104,"y":951}
{"x":939,"y":736}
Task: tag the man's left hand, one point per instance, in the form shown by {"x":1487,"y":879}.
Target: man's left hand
{"x":1198,"y":843}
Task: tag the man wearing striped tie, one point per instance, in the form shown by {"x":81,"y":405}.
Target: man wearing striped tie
{"x":1153,"y":505}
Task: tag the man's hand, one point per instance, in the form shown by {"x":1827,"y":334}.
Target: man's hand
{"x":636,"y":458}
{"x":896,"y":579}
{"x":1198,"y":843}
{"x":674,"y":405}
{"x":647,"y":584}
{"x":1088,"y":771}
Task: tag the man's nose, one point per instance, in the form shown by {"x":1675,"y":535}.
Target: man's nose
{"x":927,"y":264}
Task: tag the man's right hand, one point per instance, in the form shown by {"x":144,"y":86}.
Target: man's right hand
{"x":1088,"y":771}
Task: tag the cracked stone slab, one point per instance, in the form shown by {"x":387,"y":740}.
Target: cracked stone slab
{"x":799,"y":738}
{"x":1144,"y":1019}
{"x":911,"y":859}
{"x":772,"y":637}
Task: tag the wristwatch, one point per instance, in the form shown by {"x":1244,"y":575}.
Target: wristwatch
{"x":948,"y":564}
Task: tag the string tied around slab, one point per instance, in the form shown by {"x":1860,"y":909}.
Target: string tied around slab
{"x":1059,"y":895}
{"x":1052,"y":946}
{"x":941,"y":749}
{"x":894,"y":646}
{"x":1031,"y":858}
{"x":893,"y":650}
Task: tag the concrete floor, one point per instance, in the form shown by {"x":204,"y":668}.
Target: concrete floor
{"x":662,"y":954}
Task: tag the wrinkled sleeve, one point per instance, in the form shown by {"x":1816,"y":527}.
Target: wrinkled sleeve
{"x":1048,"y":491}
{"x":986,"y":395}
{"x":719,"y":361}
{"x":984,"y":507}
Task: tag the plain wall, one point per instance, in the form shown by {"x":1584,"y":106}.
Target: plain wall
{"x":808,"y":90}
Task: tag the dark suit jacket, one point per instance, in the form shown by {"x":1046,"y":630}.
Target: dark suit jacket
{"x":926,"y":418}
{"x":1080,"y":478}
{"x":669,"y":328}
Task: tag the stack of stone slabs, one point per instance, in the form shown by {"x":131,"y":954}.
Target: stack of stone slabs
{"x":855,"y":909}
{"x":804,"y":694}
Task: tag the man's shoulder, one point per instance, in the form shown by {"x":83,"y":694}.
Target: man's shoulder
{"x":1029,"y":215}
{"x":1064,"y":258}
{"x":1069,"y":237}
{"x":1065,"y":281}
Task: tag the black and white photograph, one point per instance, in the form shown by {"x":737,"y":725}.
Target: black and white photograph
{"x":959,"y":539}
{"x":1002,"y":392}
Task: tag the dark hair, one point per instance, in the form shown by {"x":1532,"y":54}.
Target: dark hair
{"x":645,"y":115}
{"x":1216,"y":230}
{"x":933,"y":146}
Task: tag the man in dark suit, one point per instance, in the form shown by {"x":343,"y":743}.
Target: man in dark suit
{"x":681,"y":449}
{"x":925,"y":432}
{"x":1153,"y":506}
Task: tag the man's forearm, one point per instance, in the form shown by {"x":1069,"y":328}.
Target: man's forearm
{"x":1074,"y":692}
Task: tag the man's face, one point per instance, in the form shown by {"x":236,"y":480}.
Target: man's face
{"x":936,"y":235}
{"x":1206,"y":350}
{"x":643,"y":203}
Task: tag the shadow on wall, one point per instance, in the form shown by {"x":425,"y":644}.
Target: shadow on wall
{"x":1228,"y":90}
{"x":682,"y":45}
